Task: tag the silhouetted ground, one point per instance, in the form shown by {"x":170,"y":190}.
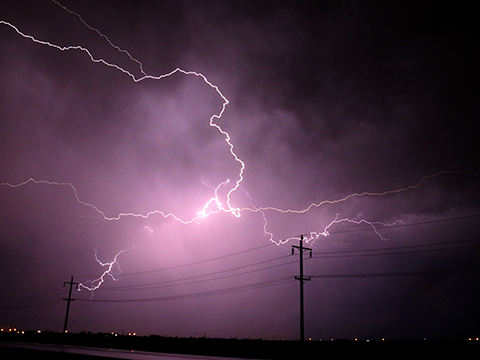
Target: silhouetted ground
{"x":242,"y":348}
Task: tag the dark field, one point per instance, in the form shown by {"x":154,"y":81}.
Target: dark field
{"x":240,"y":348}
{"x":246,"y":348}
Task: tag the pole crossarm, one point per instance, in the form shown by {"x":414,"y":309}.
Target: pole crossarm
{"x":304,"y":279}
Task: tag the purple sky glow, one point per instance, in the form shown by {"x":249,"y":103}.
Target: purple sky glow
{"x":196,"y":140}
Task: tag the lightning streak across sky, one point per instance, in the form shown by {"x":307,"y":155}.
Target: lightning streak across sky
{"x":95,"y":284}
{"x":215,"y":204}
{"x":215,"y":200}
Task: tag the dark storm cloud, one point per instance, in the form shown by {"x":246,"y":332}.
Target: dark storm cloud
{"x":325,"y":100}
{"x":369,"y":87}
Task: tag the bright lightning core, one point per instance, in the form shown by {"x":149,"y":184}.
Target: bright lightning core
{"x":220,"y":200}
{"x":212,"y":205}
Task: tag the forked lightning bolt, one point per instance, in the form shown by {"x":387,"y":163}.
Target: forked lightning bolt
{"x":95,"y":284}
{"x":214,"y":205}
{"x":208,"y":209}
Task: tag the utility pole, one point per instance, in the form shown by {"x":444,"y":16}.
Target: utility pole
{"x":302,"y":280}
{"x":69,"y":299}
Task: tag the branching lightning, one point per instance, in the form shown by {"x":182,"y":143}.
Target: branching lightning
{"x":110,"y":266}
{"x":215,"y":204}
{"x":208,"y":209}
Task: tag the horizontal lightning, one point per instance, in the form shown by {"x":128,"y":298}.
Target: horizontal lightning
{"x":218,"y":207}
{"x":361,"y":194}
{"x":215,"y":201}
{"x":214,"y":205}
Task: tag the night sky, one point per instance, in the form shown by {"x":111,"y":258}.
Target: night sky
{"x":338,"y":104}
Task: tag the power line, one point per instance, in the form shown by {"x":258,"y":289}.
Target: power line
{"x":46,"y":297}
{"x":345,"y":253}
{"x":283,"y":280}
{"x":29,"y":306}
{"x":398,"y":273}
{"x":197,"y":262}
{"x":317,"y":256}
{"x":31,"y":301}
{"x":277,"y":281}
{"x":407,"y":249}
{"x":41,"y":296}
{"x":32,"y":297}
{"x":270,"y":244}
{"x":217,"y":292}
{"x":171,"y":283}
{"x":53,"y":283}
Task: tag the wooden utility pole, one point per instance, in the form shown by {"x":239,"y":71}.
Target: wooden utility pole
{"x":302,"y":280}
{"x":69,"y":299}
